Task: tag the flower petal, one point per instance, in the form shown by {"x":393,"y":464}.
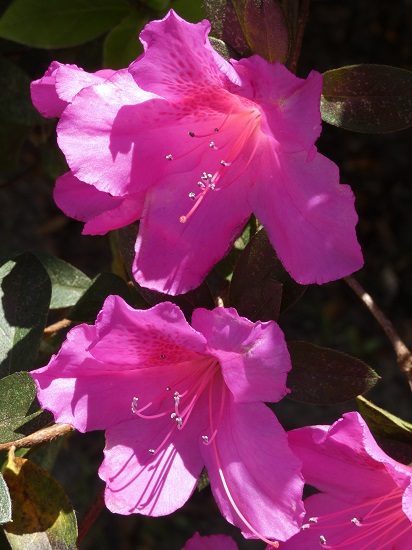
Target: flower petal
{"x":100,"y":210}
{"x":174,"y":257}
{"x":213,"y":542}
{"x":142,"y":338}
{"x":291,"y":105}
{"x":164,"y":69}
{"x":262,"y":475}
{"x":136,"y":480}
{"x":253,"y":356}
{"x":310,"y":218}
{"x":343,"y":459}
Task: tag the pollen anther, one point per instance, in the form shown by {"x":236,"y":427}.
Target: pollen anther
{"x":169,"y":157}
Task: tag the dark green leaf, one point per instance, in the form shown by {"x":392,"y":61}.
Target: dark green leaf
{"x":12,"y":137}
{"x":68,"y":283}
{"x":384,"y":423}
{"x":122,"y":44}
{"x":264,"y":26}
{"x":15,"y":102}
{"x":260,"y":288}
{"x":89,"y":305}
{"x":60,"y":23}
{"x":43,"y":517}
{"x":324,"y":376}
{"x":368,"y":98}
{"x":5,"y":502}
{"x":20,"y":412}
{"x":191,"y":10}
{"x":226,"y":25}
{"x":25,"y":296}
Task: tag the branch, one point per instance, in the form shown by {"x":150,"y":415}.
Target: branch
{"x":90,"y":516}
{"x":47,"y":434}
{"x":302,"y":20}
{"x":64,"y":323}
{"x":403,"y":355}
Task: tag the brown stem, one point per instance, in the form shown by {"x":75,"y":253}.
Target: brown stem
{"x":46,"y":434}
{"x":403,"y":355}
{"x":64,"y":323}
{"x":90,"y":516}
{"x":302,"y":20}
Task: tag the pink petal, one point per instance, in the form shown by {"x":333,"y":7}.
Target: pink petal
{"x":136,"y":480}
{"x":253,"y":356}
{"x":158,"y":336}
{"x":165,"y":70}
{"x":344,"y":460}
{"x":44,"y":95}
{"x":175,"y":257}
{"x":213,"y":542}
{"x":310,"y":218}
{"x":291,"y":104}
{"x":81,"y":391}
{"x":261,"y":473}
{"x":71,"y":79}
{"x":101,"y":211}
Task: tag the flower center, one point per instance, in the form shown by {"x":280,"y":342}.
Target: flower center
{"x":244,"y":126}
{"x":377,"y":529}
{"x":182,"y":403}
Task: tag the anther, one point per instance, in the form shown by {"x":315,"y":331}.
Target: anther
{"x":322,"y":540}
{"x":356,"y":521}
{"x":212,"y":186}
{"x":163,"y":356}
{"x":201,"y":184}
{"x":169,"y":157}
{"x":152,"y":451}
{"x":313,"y":520}
{"x":212,"y":145}
{"x":173,"y":415}
{"x":216,"y":129}
{"x":191,"y":134}
{"x":167,"y":389}
{"x":305,"y":526}
{"x":134,"y":404}
{"x":205,"y":438}
{"x":192,"y":196}
{"x":224,"y":163}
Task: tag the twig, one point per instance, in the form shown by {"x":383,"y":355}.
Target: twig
{"x":64,"y":323}
{"x":46,"y":434}
{"x":302,"y":20}
{"x":90,"y":516}
{"x":403,"y":355}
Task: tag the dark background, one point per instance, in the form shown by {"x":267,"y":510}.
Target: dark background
{"x":378,"y":168}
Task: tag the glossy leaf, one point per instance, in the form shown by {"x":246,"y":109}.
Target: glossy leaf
{"x":122,"y":45}
{"x":260,"y":288}
{"x":89,"y":305}
{"x":5,"y":502}
{"x":384,"y":423}
{"x":323,"y":376}
{"x":25,"y":296}
{"x":367,"y":98}
{"x":265,"y":28}
{"x":15,"y":103}
{"x":42,"y":516}
{"x":68,"y":282}
{"x":60,"y":23}
{"x":20,"y":412}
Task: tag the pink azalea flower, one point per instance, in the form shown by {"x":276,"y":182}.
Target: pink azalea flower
{"x":174,"y":399}
{"x":366,"y":498}
{"x":191,"y":144}
{"x":212,"y":542}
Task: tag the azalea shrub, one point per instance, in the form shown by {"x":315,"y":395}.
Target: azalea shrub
{"x":224,"y":412}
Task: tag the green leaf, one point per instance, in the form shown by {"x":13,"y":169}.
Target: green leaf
{"x":68,"y":282}
{"x":384,"y":423}
{"x":42,"y":516}
{"x":15,"y":103}
{"x":25,"y":296}
{"x":324,"y":376}
{"x":122,"y":44}
{"x":265,"y":28}
{"x":260,"y":288}
{"x":5,"y":502}
{"x":191,"y":10}
{"x":60,"y":23}
{"x":367,"y":98}
{"x":226,"y":25}
{"x":91,"y":302}
{"x":20,"y":412}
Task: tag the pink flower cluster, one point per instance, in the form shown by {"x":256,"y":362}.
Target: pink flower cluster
{"x":190,"y":145}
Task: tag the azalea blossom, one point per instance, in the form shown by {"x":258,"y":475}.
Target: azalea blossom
{"x":174,"y":398}
{"x":366,"y":498}
{"x":212,"y":542}
{"x":191,"y":145}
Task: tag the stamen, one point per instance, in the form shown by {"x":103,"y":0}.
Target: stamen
{"x":169,"y":157}
{"x":224,"y":163}
{"x":191,"y":134}
{"x":163,"y":356}
{"x":322,"y":540}
{"x":192,"y":196}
